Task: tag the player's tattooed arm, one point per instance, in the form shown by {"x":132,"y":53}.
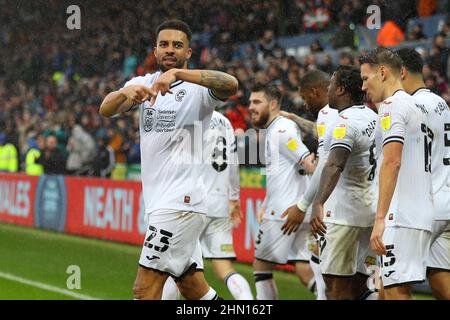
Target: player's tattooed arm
{"x":330,"y":176}
{"x":305,"y":125}
{"x":222,"y":84}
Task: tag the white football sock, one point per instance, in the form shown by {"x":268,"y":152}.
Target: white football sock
{"x":238,"y":286}
{"x":266,"y":288}
{"x":320,"y":284}
{"x":170,"y":290}
{"x":210,"y":295}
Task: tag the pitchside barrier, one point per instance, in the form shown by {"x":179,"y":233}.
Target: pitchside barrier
{"x":110,"y":209}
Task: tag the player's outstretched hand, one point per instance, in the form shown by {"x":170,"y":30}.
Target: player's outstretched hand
{"x":163,"y":84}
{"x":376,"y":239}
{"x":138,"y":94}
{"x":318,"y":227}
{"x":235,"y":212}
{"x":260,"y":214}
{"x":294,"y":219}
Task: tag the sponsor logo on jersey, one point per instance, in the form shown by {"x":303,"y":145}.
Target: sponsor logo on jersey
{"x":292,"y":144}
{"x":339,"y":131}
{"x":391,"y":216}
{"x":180,"y":95}
{"x":385,"y":121}
{"x":187,"y":199}
{"x":328,"y":213}
{"x":321,"y":127}
{"x":152,"y":258}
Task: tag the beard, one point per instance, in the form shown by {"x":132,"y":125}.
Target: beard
{"x":261,"y":119}
{"x":178,"y":64}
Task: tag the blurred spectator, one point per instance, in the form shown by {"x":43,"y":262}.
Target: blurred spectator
{"x":81,"y":149}
{"x":104,"y":159}
{"x":32,"y":166}
{"x":51,"y":158}
{"x":390,"y":35}
{"x":315,"y":46}
{"x":344,"y":36}
{"x":9,"y":159}
{"x":416,"y":33}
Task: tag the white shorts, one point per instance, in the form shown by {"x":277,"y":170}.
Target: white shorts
{"x":406,"y":258}
{"x":346,"y":251}
{"x":217,"y":239}
{"x":172,"y":243}
{"x":273,"y":246}
{"x":439,"y":257}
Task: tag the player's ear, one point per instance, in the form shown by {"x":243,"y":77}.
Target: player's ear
{"x":403,"y":73}
{"x":154,"y":52}
{"x":382,"y":71}
{"x":189,"y":53}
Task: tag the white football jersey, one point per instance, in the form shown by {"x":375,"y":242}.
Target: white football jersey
{"x":222,"y":168}
{"x":326,"y":120}
{"x":286,"y":179}
{"x":351,"y":202}
{"x":171,"y":133}
{"x":403,"y":120}
{"x":439,"y":119}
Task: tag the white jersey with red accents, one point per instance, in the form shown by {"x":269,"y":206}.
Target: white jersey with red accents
{"x":351,"y":202}
{"x":171,"y":133}
{"x":403,"y":120}
{"x":286,"y":179}
{"x":222,"y":168}
{"x":439,"y":119}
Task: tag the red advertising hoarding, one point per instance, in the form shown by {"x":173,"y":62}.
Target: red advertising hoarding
{"x":17,"y":198}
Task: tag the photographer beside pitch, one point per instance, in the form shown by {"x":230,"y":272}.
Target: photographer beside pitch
{"x":173,"y":190}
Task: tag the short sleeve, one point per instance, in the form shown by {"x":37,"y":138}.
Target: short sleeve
{"x":291,"y":145}
{"x":393,"y":121}
{"x":345,"y":135}
{"x":210,"y":101}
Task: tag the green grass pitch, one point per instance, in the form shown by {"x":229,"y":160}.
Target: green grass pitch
{"x":33,"y":265}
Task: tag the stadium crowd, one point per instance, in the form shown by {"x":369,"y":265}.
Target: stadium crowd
{"x":52,"y":80}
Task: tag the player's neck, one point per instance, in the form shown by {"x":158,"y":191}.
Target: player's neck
{"x":413,"y":84}
{"x":392,"y":87}
{"x":271,"y":118}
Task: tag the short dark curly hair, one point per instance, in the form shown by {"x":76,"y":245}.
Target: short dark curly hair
{"x":382,"y":55}
{"x":175,"y":25}
{"x":270,"y":90}
{"x":349,"y":77}
{"x":411,"y":59}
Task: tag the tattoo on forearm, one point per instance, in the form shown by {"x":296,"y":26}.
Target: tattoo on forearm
{"x":217,"y":80}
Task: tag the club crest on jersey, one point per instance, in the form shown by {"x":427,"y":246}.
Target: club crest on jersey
{"x":385,"y":121}
{"x":180,"y":95}
{"x":339,"y":131}
{"x":148,"y":116}
{"x":292,"y":144}
{"x":321,"y":127}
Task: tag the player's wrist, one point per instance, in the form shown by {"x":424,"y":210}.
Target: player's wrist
{"x":302,"y":204}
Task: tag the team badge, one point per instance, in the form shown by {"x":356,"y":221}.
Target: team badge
{"x":385,"y":121}
{"x":321,"y":129}
{"x":180,"y":95}
{"x":292,"y":144}
{"x":339,"y":131}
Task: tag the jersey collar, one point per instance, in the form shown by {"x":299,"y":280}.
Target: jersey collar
{"x":419,"y":90}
